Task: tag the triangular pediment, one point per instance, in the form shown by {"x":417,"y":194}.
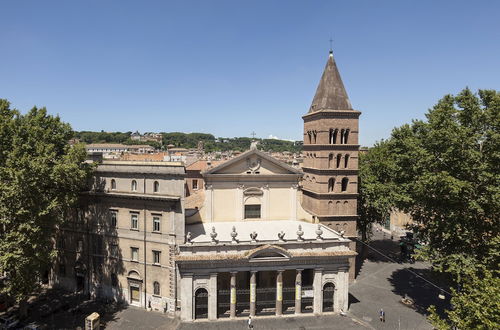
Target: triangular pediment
{"x":253,"y":162}
{"x":268,"y":252}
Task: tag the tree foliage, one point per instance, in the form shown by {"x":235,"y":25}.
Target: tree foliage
{"x":40,"y":178}
{"x":377,"y":191}
{"x":448,"y":169}
{"x":447,"y":172}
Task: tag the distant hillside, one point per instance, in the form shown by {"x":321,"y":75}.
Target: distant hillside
{"x":190,"y":140}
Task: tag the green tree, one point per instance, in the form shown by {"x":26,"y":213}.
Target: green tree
{"x":448,"y":169}
{"x":40,"y":178}
{"x":377,"y":191}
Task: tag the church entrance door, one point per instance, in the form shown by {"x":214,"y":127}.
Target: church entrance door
{"x":201,"y":304}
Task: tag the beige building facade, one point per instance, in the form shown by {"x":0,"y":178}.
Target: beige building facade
{"x":120,"y":242}
{"x":256,"y":237}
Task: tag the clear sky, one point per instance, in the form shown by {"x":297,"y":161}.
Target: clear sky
{"x":233,"y":67}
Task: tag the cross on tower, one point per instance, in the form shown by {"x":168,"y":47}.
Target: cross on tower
{"x":331,"y":41}
{"x":253,"y":135}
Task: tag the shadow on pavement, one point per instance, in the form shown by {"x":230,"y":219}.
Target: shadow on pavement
{"x":386,"y":246}
{"x":57,"y":309}
{"x":352,"y":300}
{"x":423,"y":294}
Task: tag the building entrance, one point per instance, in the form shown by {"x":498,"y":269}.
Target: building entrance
{"x":201,"y":304}
{"x":328,"y":293}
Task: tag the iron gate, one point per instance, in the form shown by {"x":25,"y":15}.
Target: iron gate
{"x":307,"y":299}
{"x":201,"y":304}
{"x":328,"y":291}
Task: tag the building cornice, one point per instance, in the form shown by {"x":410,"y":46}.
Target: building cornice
{"x":331,"y":195}
{"x":336,"y":171}
{"x":331,"y":114}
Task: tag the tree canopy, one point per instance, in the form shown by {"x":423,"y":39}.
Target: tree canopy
{"x":445,"y":172}
{"x":40,"y":178}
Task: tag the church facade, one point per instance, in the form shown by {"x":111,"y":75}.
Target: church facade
{"x":259,"y":238}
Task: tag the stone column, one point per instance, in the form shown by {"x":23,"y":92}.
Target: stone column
{"x":279,"y":292}
{"x":232,"y":308}
{"x":342,"y":290}
{"x":212,"y":297}
{"x":318,"y":291}
{"x":253,"y":291}
{"x":187,"y":297}
{"x":298,"y":292}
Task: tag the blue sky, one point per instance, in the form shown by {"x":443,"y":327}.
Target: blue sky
{"x":233,"y":67}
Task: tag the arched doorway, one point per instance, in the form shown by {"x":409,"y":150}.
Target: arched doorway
{"x":328,"y":293}
{"x":201,"y":304}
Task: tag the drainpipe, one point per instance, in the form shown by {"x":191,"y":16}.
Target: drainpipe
{"x":145,"y":263}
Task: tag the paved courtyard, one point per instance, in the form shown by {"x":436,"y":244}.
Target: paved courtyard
{"x":380,"y":284}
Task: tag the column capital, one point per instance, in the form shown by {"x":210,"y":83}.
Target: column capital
{"x":234,"y":272}
{"x":299,"y":270}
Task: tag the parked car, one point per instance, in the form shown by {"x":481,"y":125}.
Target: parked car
{"x":34,"y":326}
{"x":8,"y":321}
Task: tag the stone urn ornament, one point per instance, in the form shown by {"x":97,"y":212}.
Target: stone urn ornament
{"x":300,"y":233}
{"x":213,"y":235}
{"x":281,"y":236}
{"x":253,"y":236}
{"x":188,"y":237}
{"x":319,"y":232}
{"x":233,"y":235}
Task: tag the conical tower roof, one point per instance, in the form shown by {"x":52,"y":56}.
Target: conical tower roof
{"x":331,"y":94}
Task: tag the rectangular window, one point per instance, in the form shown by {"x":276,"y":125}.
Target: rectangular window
{"x":156,"y":224}
{"x":156,"y":257}
{"x":134,"y":221}
{"x":114,"y":250}
{"x":135,"y":253}
{"x":79,"y":246}
{"x":60,"y":243}
{"x":113,"y":215}
{"x":98,"y":244}
{"x":62,"y":269}
{"x":252,"y":211}
{"x":195,"y":184}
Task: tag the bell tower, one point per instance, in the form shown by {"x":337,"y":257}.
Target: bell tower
{"x":330,"y":181}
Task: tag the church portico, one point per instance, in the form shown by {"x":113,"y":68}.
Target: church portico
{"x":263,"y":277}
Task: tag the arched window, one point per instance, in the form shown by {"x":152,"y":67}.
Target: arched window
{"x":346,"y":160}
{"x":330,"y":160}
{"x":337,"y":207}
{"x":156,"y":288}
{"x":113,"y":184}
{"x":134,"y":185}
{"x":339,"y":157}
{"x":156,"y":186}
{"x":345,"y":181}
{"x":330,"y":207}
{"x":331,"y":183}
{"x":330,"y":136}
{"x":346,"y":136}
{"x":335,"y":133}
{"x":314,"y":135}
{"x":309,"y":135}
{"x":342,"y":132}
{"x":346,"y":207}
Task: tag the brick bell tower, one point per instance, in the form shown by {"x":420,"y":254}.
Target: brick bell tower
{"x":330,"y":181}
